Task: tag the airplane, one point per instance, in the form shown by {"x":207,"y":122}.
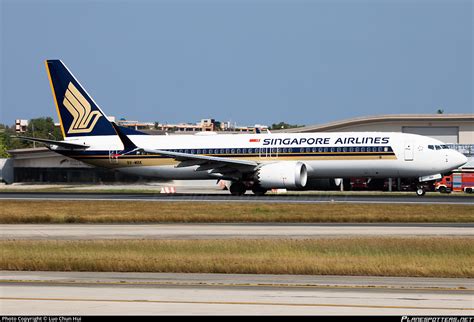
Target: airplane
{"x":256,"y":162}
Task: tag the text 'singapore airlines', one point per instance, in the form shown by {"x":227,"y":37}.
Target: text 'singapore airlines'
{"x":326,"y":141}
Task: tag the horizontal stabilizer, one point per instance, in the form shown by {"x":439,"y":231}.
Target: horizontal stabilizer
{"x":50,"y":143}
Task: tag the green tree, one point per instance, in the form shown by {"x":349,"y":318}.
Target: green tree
{"x":42,"y":127}
{"x":283,"y":125}
{"x":3,"y":145}
{"x":11,"y":143}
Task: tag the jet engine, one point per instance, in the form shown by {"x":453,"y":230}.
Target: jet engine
{"x":289,"y":175}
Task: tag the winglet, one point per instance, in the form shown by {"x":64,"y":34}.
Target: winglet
{"x":128,"y":145}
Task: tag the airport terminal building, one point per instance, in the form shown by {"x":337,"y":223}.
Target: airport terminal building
{"x":43,"y":166}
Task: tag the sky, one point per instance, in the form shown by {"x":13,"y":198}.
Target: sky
{"x":250,"y":62}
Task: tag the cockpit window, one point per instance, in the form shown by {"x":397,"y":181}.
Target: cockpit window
{"x":445,"y":147}
{"x":430,"y":147}
{"x":438,"y":147}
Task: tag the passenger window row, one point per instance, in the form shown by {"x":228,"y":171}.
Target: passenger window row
{"x":283,"y":150}
{"x":346,"y":149}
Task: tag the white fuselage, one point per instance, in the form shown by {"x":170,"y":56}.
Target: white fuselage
{"x":326,"y":155}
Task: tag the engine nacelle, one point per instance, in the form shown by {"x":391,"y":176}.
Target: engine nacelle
{"x":289,"y":175}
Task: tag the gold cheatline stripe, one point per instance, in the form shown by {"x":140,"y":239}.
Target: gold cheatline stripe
{"x":54,"y":97}
{"x":123,"y":162}
{"x":239,"y":157}
{"x":237,"y":303}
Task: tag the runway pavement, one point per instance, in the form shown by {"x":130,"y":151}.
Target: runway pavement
{"x":227,"y":231}
{"x":219,"y":197}
{"x":66,"y":293}
{"x":78,"y":293}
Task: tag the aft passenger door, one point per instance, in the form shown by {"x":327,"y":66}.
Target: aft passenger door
{"x":409,"y":151}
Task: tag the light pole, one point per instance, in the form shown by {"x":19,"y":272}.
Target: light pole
{"x":33,"y":130}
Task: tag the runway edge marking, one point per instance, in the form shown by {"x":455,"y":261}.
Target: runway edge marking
{"x":210,"y":284}
{"x":239,"y":303}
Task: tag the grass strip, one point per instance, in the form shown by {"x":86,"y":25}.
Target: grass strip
{"x":424,"y":257}
{"x":24,"y":212}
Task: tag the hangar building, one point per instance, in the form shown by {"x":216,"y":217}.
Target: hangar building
{"x":40,"y":165}
{"x":449,"y":128}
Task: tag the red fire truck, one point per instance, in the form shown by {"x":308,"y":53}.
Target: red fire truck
{"x":461,"y":180}
{"x":359,"y":183}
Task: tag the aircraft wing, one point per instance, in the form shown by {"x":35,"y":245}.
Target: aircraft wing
{"x":224,"y":167}
{"x":51,"y":143}
{"x":188,"y":159}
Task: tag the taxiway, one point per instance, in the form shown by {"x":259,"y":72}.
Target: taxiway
{"x":56,"y":293}
{"x":227,"y":231}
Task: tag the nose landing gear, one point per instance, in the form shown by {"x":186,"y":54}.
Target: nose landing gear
{"x":420,"y":191}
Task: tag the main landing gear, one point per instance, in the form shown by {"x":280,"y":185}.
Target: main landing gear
{"x":238,"y":188}
{"x":259,"y":191}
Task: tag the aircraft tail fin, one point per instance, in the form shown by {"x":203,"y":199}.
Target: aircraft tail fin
{"x":78,"y":114}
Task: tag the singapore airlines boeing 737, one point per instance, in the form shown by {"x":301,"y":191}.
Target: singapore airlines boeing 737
{"x":256,"y":162}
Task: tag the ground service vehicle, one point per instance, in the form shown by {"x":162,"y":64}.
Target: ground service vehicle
{"x":456,"y":181}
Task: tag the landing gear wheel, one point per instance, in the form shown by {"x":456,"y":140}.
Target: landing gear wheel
{"x":237,"y":189}
{"x":420,"y":191}
{"x":259,"y":191}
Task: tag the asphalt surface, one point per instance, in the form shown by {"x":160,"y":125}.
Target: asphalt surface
{"x":219,"y":197}
{"x":71,"y":293}
{"x":227,"y":231}
{"x":80,"y":293}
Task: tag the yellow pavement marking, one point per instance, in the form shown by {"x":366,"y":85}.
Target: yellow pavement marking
{"x":223,"y":284}
{"x":236,"y":303}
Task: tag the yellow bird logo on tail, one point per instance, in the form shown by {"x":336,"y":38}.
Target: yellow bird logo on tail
{"x":84,"y":119}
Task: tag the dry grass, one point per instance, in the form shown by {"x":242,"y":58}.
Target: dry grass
{"x":12,"y":212}
{"x":429,"y":257}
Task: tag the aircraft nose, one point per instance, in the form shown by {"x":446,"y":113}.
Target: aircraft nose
{"x":459,"y":159}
